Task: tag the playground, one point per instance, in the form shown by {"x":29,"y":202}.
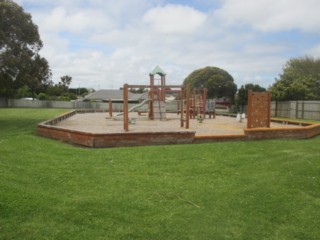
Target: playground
{"x":171,"y":114}
{"x":97,"y":130}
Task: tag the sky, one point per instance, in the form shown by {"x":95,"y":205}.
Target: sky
{"x":103,"y":44}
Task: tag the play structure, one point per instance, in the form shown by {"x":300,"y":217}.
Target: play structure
{"x":200,"y":106}
{"x":193,"y":105}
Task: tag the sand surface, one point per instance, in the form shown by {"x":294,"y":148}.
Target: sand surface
{"x":102,"y":123}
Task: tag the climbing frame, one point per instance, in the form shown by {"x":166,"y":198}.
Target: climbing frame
{"x":258,"y":109}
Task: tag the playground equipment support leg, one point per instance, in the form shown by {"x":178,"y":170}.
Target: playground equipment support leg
{"x":188,"y":106}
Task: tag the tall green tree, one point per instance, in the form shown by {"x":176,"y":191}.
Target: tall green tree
{"x":218,"y":82}
{"x":300,"y":80}
{"x":20,"y":43}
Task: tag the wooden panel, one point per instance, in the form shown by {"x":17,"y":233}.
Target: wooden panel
{"x":258,"y":109}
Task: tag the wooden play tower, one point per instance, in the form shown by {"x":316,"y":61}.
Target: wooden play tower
{"x":157,"y":94}
{"x":157,"y":97}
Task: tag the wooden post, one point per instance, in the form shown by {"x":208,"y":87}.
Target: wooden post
{"x":187,"y":106}
{"x":110,"y":108}
{"x":163,"y":89}
{"x":181,"y":113}
{"x":125,"y":108}
{"x":151,"y":110}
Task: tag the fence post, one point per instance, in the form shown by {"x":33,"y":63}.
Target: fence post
{"x":125,"y":108}
{"x":110,"y":108}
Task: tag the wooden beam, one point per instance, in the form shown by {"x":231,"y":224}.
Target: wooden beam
{"x":151,"y":110}
{"x":181,"y":113}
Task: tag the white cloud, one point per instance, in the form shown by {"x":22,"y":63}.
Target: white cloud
{"x":174,"y":19}
{"x":104,"y":44}
{"x":272,"y":15}
{"x":61,"y":20}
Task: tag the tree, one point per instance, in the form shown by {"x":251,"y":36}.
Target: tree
{"x":242,"y":96}
{"x":36,"y":75}
{"x":20,"y":63}
{"x":65,"y":81}
{"x":218,"y":82}
{"x":23,"y":92}
{"x":61,"y":90}
{"x":79,"y":91}
{"x":138,"y":90}
{"x":300,"y":80}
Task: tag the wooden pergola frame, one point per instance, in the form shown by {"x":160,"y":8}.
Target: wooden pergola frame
{"x":152,"y":88}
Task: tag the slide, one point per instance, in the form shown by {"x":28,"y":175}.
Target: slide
{"x":134,"y":107}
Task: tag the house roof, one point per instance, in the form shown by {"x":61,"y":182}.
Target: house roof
{"x":113,"y":94}
{"x":157,"y":70}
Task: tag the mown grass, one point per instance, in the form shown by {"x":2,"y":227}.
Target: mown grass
{"x":236,"y":190}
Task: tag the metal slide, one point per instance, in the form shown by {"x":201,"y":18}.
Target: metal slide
{"x":134,"y":107}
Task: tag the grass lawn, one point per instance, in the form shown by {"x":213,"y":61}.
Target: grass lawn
{"x":236,"y":190}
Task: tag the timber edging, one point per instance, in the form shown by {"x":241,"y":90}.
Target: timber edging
{"x":105,"y":140}
{"x":283,"y":133}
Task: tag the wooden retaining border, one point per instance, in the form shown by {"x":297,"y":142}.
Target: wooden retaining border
{"x":219,"y":138}
{"x":100,"y":140}
{"x":283,"y":133}
{"x":306,"y":132}
{"x":127,"y":139}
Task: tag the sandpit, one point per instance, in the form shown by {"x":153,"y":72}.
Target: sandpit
{"x":96,"y":129}
{"x":102,"y":123}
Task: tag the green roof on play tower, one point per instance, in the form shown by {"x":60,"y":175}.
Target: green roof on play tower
{"x":157,"y":70}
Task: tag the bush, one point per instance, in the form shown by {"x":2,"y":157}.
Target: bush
{"x":43,"y":96}
{"x":64,"y":98}
{"x":72,"y":96}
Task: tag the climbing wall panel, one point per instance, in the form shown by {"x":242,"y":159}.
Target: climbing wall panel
{"x":258,"y":109}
